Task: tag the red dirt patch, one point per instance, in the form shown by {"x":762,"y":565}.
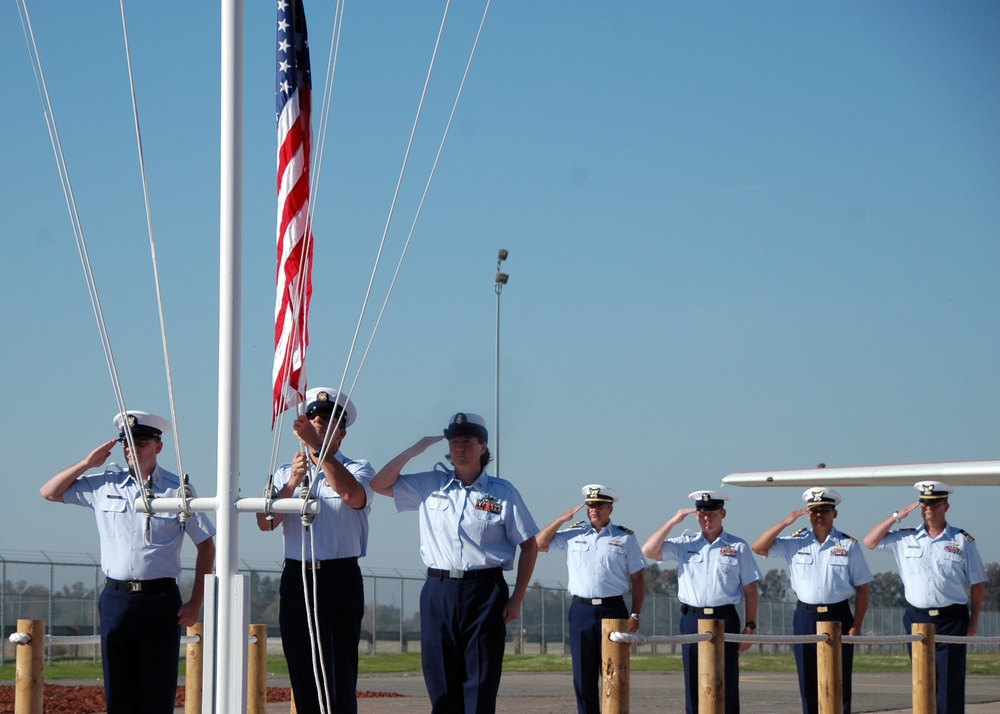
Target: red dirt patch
{"x":89,"y":699}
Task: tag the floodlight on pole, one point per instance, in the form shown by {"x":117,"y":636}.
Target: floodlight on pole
{"x":499,"y":282}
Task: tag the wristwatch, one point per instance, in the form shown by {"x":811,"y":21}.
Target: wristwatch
{"x":634,"y":616}
{"x":895,"y":514}
{"x":751,"y":625}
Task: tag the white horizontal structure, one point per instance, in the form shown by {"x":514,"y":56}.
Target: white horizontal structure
{"x":243,"y":505}
{"x":954,"y":473}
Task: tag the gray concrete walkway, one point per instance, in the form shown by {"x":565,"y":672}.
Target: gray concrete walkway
{"x":760,"y":693}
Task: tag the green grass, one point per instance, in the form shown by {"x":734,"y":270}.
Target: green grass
{"x":978,"y":663}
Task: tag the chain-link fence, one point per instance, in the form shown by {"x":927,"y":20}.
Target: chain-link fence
{"x":64,"y":592}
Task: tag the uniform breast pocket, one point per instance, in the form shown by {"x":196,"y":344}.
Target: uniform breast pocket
{"x":113,"y":516}
{"x":579,"y":546}
{"x":693,"y":557}
{"x":164,"y":528}
{"x":802,"y":559}
{"x":486,"y":516}
{"x":437,"y":503}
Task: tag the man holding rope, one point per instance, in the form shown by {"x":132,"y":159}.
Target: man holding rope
{"x":826,"y":568}
{"x":322,"y":599}
{"x":140,"y":606}
{"x":936,"y":562}
{"x":715,"y":572}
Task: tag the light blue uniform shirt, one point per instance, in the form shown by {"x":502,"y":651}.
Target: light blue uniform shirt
{"x":935,"y":571}
{"x":465,"y":527}
{"x":125,"y":554}
{"x":599,"y":564}
{"x":338,"y":531}
{"x":823,"y":573}
{"x":711,"y":574}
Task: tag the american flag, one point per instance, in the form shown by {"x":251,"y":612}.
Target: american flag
{"x":295,"y":240}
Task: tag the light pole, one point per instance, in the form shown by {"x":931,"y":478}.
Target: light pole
{"x":500,"y":281}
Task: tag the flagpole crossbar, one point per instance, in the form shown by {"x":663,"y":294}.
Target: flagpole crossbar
{"x":242,"y":505}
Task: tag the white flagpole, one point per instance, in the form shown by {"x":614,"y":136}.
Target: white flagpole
{"x":230,"y":670}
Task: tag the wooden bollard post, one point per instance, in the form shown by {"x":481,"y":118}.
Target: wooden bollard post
{"x":712,"y":668}
{"x":193,"y":667}
{"x":257,"y":669}
{"x":30,"y":668}
{"x":830,"y":669}
{"x":616,"y":673}
{"x":924,"y":669}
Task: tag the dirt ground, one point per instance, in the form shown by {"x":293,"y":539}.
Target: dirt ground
{"x":89,"y":699}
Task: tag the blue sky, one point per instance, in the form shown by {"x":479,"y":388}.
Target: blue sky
{"x":742,"y":236}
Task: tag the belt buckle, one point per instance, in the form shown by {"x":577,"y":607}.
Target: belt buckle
{"x":456,"y":574}
{"x":135,"y":586}
{"x":708,"y":611}
{"x":596,"y":601}
{"x":934,"y":613}
{"x":822,"y":608}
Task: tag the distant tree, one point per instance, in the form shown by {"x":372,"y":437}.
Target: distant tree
{"x":661,"y":581}
{"x":775,"y":586}
{"x":887,"y":590}
{"x":991,"y":599}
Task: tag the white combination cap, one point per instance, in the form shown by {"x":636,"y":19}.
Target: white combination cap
{"x":324,"y":400}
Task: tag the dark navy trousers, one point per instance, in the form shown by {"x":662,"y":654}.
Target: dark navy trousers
{"x":340,"y":595}
{"x":689,"y":653}
{"x":140,"y":648}
{"x":804,"y":623}
{"x":462,"y":636}
{"x":585,"y":629}
{"x":949,"y":659}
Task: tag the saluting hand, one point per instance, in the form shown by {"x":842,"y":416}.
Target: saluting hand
{"x":683,"y":513}
{"x":570,"y":512}
{"x":101,"y":454}
{"x":908,"y":509}
{"x":422,"y":445}
{"x":796,"y":515}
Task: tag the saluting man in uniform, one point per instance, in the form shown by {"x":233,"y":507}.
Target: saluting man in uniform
{"x":826,"y":567}
{"x":936,"y":562}
{"x":330,"y":548}
{"x":715,"y":572}
{"x":471,"y":524}
{"x":140,"y":606}
{"x":604,"y":562}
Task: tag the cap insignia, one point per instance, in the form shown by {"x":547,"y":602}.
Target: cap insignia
{"x":132,"y":421}
{"x":322,"y":397}
{"x":928,"y":489}
{"x":594,"y":493}
{"x":460,"y":418}
{"x":817,"y":494}
{"x":705,"y":497}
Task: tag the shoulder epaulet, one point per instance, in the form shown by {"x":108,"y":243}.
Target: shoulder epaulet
{"x":577,"y":524}
{"x":968,"y":537}
{"x":853,"y":540}
{"x":799,"y":532}
{"x":623,"y":529}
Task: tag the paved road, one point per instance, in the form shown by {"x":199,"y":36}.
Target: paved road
{"x":761,"y":693}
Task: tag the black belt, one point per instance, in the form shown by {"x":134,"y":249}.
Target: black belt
{"x":321,"y":564}
{"x":464,"y":574}
{"x":718,"y":612}
{"x":613,"y":600}
{"x":824,"y":608}
{"x":946,"y":611}
{"x":157,"y":585}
